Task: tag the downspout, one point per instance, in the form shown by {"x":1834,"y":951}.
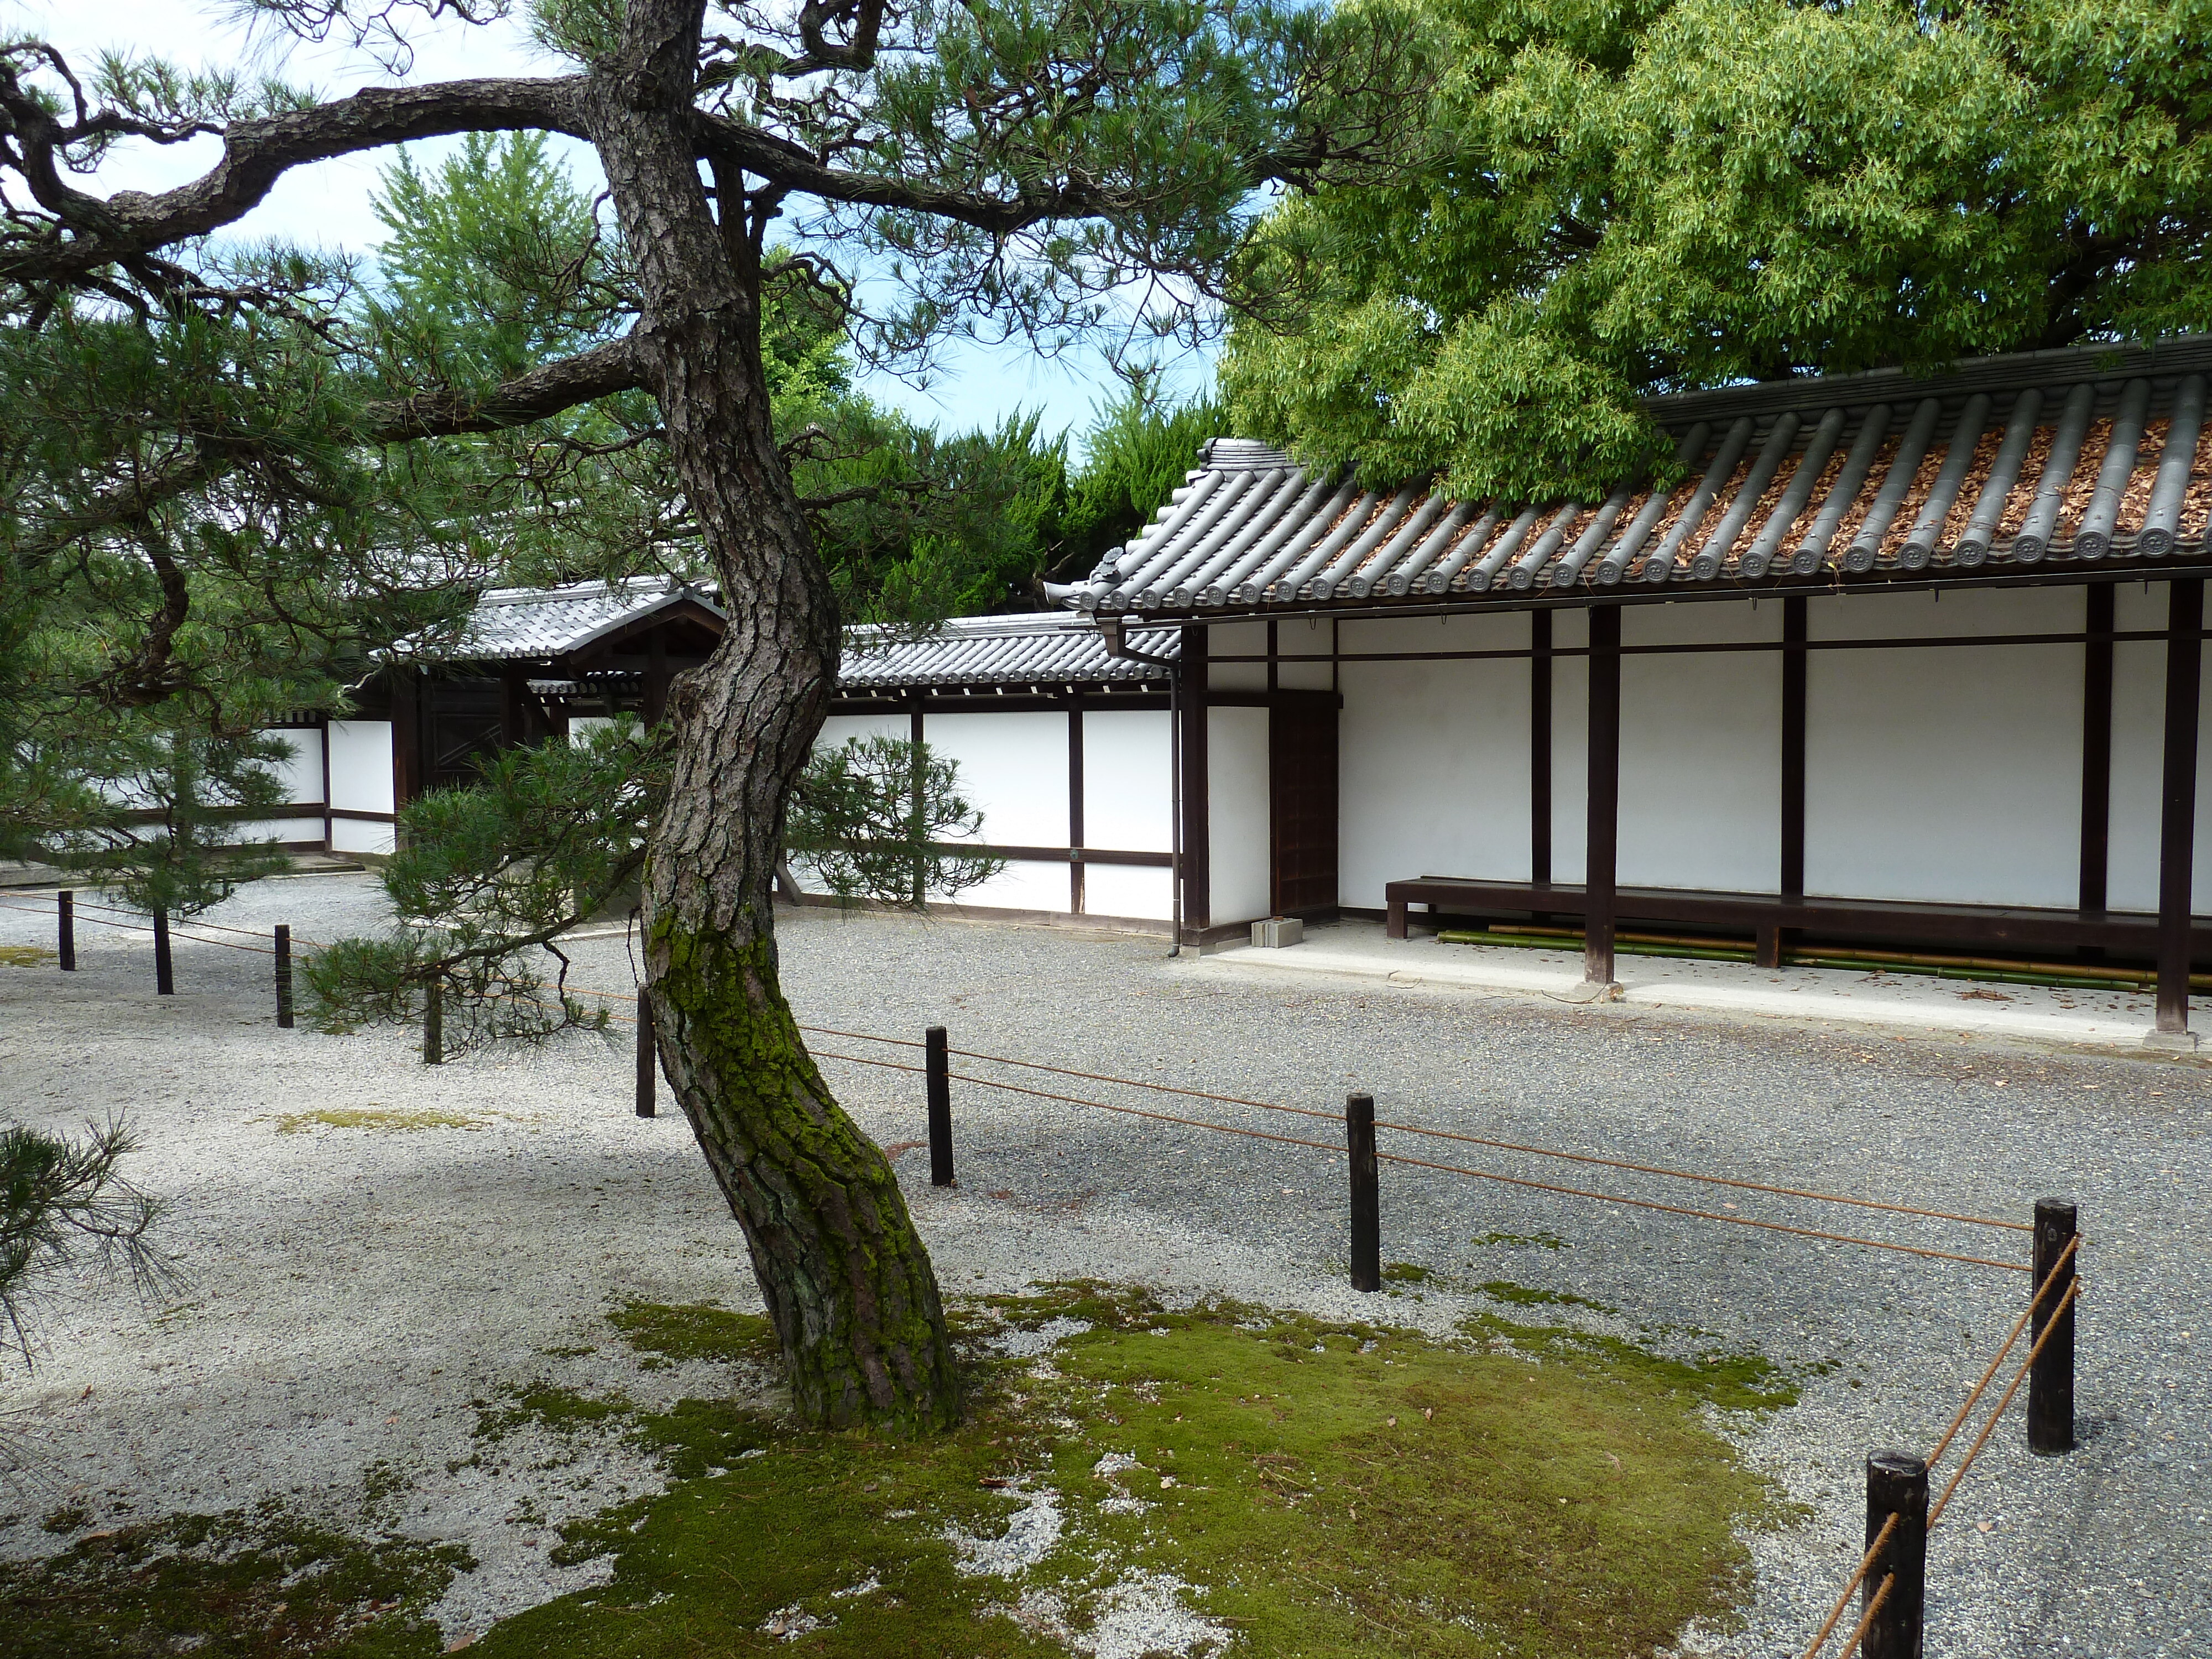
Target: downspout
{"x":1117,"y":646}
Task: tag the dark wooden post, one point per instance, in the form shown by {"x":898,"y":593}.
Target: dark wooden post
{"x":65,"y":929}
{"x":1897,"y":1483}
{"x":1197,"y":816}
{"x":284,"y":977}
{"x":164,"y":974}
{"x":938,"y":1078}
{"x":1603,"y":838}
{"x":2051,"y":1379}
{"x":434,"y":1024}
{"x":1795,"y":634}
{"x":1540,"y":748}
{"x":2185,"y":652}
{"x":1075,"y":895}
{"x":2097,"y":752}
{"x":1366,"y":1193}
{"x":648,"y":1057}
{"x":514,"y":728}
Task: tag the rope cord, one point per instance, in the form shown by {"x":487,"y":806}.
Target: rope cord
{"x":1866,"y":1619}
{"x":1857,"y":1578}
{"x":1935,"y":1512}
{"x":2011,"y":1337}
{"x":1448,"y":1134}
{"x":1452,"y":1168}
{"x":175,"y":932}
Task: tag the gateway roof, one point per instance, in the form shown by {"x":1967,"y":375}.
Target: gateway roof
{"x":2006,"y":465}
{"x":1047,"y":647}
{"x":535,"y":623}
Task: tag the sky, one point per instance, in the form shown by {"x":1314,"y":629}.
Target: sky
{"x":327,"y":205}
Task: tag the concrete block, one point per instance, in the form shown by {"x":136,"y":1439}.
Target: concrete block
{"x":1277,"y":931}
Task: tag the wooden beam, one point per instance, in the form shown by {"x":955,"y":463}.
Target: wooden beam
{"x":1793,"y":706}
{"x":1197,"y":862}
{"x":2185,"y":654}
{"x":1540,"y":747}
{"x":2097,"y":751}
{"x":1603,"y":839}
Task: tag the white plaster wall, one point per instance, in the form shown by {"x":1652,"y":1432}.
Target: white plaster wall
{"x":1238,"y":840}
{"x":2138,"y":759}
{"x":1945,"y":773}
{"x":1700,"y":750}
{"x":276,"y":828}
{"x":1433,"y":757}
{"x":1021,"y":885}
{"x":1570,"y":748}
{"x":838,"y":727}
{"x":1237,"y":640}
{"x":352,"y":836}
{"x":1302,"y":645}
{"x":1144,"y":892}
{"x":360,"y":766}
{"x":301,"y":771}
{"x":1127,"y":789}
{"x":1013,"y":769}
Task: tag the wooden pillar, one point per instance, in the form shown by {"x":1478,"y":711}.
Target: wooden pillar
{"x":1075,"y":803}
{"x":1540,"y":747}
{"x":2185,"y":652}
{"x":916,"y":734}
{"x":1603,"y":835}
{"x":1197,"y":864}
{"x":1792,"y":875}
{"x":406,"y":737}
{"x":513,"y":718}
{"x":2097,"y":750}
{"x":322,"y":732}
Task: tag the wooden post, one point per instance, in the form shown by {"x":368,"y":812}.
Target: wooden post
{"x":434,"y":1024}
{"x":1197,"y":818}
{"x":165,"y":975}
{"x":2097,"y":752}
{"x":1897,"y":1483}
{"x":648,"y":1057}
{"x":66,"y":926}
{"x":2185,"y":652}
{"x":2051,"y":1379}
{"x":1366,"y":1193}
{"x":1603,"y":835}
{"x":1075,"y":895}
{"x":284,"y":977}
{"x":938,"y":1081}
{"x":1540,"y":748}
{"x":1795,"y":633}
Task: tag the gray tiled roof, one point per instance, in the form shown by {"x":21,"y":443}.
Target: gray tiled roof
{"x":550,"y":622}
{"x":1042,"y":649}
{"x":2005,"y":464}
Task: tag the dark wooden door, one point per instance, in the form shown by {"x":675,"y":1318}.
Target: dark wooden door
{"x":1302,"y":790}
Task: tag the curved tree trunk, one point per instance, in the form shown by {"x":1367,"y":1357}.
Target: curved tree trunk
{"x":847,"y":1280}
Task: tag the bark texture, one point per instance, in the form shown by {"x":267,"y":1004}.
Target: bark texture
{"x":847,"y":1280}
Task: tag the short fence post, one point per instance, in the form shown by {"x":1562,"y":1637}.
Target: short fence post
{"x":434,"y":1023}
{"x":648,"y":1058}
{"x":1897,"y":1483}
{"x":66,"y":925}
{"x":1366,"y":1194}
{"x":165,"y":977}
{"x":2051,"y":1379}
{"x":937,"y":1068}
{"x":284,"y":977}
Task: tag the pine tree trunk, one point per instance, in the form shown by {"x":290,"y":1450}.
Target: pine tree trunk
{"x":847,"y":1280}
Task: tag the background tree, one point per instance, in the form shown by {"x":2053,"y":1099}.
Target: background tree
{"x":1621,"y":200}
{"x":1025,"y":160}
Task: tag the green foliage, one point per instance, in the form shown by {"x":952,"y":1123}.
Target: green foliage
{"x":880,"y":818}
{"x":1134,"y":456}
{"x":1611,"y":202}
{"x":65,"y":1208}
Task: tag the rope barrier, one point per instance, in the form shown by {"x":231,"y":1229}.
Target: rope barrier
{"x":175,"y":932}
{"x":1866,"y":1619}
{"x":1857,"y":1578}
{"x":2011,"y":1337}
{"x":1936,"y":1511}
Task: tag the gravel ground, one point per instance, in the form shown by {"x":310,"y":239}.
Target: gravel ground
{"x":350,"y":1291}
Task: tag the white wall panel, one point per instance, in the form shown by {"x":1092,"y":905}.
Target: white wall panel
{"x":1433,"y":759}
{"x":1127,"y":791}
{"x":1700,"y":750}
{"x":1026,"y":884}
{"x":301,"y":769}
{"x":2138,"y":760}
{"x":1145,"y":893}
{"x":1237,"y":640}
{"x":1238,"y":815}
{"x":1013,"y":769}
{"x":1570,"y":748}
{"x":839,"y":727}
{"x":353,"y":835}
{"x":360,"y":768}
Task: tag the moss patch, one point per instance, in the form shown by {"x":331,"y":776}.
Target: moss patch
{"x":1316,"y":1488}
{"x":243,"y":1586}
{"x":700,"y":1331}
{"x":24,"y":955}
{"x":375,"y":1117}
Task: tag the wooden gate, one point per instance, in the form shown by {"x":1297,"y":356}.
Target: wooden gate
{"x":1302,"y":802}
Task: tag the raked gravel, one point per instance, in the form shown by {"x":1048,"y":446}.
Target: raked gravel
{"x":349,"y":1292}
